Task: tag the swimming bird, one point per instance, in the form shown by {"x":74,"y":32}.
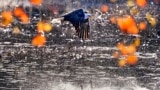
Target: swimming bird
{"x":80,"y":20}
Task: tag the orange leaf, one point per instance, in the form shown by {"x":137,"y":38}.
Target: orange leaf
{"x":36,"y":2}
{"x":122,"y":63}
{"x":47,"y":27}
{"x":142,"y":26}
{"x":131,"y":49}
{"x":132,"y":59}
{"x":18,"y":11}
{"x":113,"y":20}
{"x":121,"y":24}
{"x":40,"y":26}
{"x":24,"y":18}
{"x":7,"y":15}
{"x":137,"y":42}
{"x":141,"y":3}
{"x":115,"y":54}
{"x":104,"y":8}
{"x":133,"y":30}
{"x":39,"y":40}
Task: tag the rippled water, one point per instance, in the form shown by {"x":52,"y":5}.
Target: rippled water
{"x":68,"y":63}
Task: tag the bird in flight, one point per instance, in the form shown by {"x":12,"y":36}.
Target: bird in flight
{"x":80,"y":20}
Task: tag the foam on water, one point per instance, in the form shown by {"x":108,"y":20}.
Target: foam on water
{"x":131,"y":85}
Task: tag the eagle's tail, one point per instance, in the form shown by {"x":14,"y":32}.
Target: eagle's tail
{"x":83,"y":31}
